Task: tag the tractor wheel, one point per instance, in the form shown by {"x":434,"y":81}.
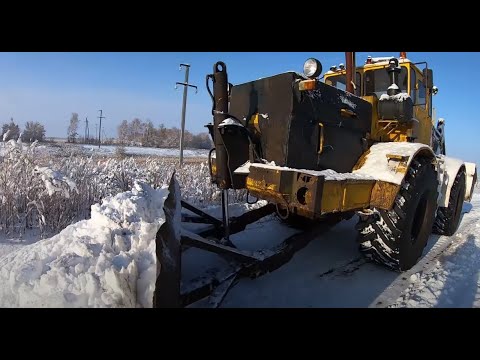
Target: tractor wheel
{"x":448,"y":218}
{"x":396,"y":238}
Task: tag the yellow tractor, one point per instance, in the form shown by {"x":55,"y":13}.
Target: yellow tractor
{"x":359,"y":140}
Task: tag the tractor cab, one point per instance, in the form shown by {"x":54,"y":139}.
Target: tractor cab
{"x":372,"y":82}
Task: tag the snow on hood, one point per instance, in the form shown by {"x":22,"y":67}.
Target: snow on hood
{"x":106,"y":261}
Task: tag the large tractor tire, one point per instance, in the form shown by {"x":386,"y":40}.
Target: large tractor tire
{"x":448,"y":218}
{"x":396,"y":238}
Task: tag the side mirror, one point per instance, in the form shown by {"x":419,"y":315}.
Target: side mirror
{"x":428,"y":77}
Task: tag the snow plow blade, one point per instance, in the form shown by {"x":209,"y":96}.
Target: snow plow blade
{"x":168,"y":250}
{"x":172,"y":239}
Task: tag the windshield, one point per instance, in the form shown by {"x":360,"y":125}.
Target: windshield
{"x":340,"y":82}
{"x":377,"y":81}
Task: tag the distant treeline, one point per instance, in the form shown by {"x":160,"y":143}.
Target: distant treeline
{"x":144,"y":133}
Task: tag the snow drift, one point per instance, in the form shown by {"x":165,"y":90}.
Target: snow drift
{"x":106,"y":261}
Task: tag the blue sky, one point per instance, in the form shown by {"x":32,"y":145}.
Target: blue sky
{"x":48,"y":87}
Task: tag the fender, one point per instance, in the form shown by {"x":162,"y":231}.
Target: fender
{"x":388,"y":163}
{"x":448,"y":171}
{"x":471,"y":180}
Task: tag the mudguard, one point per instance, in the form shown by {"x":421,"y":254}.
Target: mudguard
{"x":471,"y":180}
{"x":448,"y":170}
{"x":389,"y":161}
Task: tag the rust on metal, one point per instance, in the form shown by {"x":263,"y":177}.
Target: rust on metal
{"x":350,"y":64}
{"x":398,"y":163}
{"x":346,"y":195}
{"x":362,"y":160}
{"x":383,"y":195}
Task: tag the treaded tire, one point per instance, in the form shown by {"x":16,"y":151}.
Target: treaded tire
{"x":396,"y":238}
{"x":448,"y":218}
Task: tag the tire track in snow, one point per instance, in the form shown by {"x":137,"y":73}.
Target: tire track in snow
{"x":427,"y":264}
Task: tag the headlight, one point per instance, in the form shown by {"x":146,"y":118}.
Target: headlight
{"x":312,"y":68}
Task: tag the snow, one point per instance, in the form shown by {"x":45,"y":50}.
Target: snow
{"x":397,"y":98}
{"x":7,"y":134}
{"x":329,"y":174}
{"x":330,"y":272}
{"x":453,"y":279}
{"x":91,"y":263}
{"x":132,"y":150}
{"x":376,"y":163}
{"x":378,"y":60}
{"x":109,"y":150}
{"x":106,"y":261}
{"x":53,"y":180}
{"x":345,"y":100}
{"x":393,"y":87}
{"x":229,"y":121}
{"x":243,"y":169}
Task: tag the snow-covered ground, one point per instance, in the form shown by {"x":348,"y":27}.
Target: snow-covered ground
{"x":328,"y":272}
{"x":108,"y":150}
{"x":106,"y":261}
{"x":130,"y":150}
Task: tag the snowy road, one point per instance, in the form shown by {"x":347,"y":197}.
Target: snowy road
{"x":330,"y":271}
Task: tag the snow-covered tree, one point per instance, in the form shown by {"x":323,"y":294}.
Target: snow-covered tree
{"x":10,"y":131}
{"x":34,"y":131}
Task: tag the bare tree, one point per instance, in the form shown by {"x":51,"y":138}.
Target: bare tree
{"x":123,"y":132}
{"x":137,"y":129}
{"x":34,"y":131}
{"x":73,"y":128}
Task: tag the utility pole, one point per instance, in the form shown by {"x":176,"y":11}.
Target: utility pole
{"x":87,"y":131}
{"x":184,"y":106}
{"x":96,"y":127}
{"x":100,"y":128}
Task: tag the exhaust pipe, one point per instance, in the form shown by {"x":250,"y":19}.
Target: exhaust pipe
{"x":393,"y":71}
{"x":350,"y":61}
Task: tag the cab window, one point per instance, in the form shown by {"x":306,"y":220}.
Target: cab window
{"x":340,"y":82}
{"x":377,"y":81}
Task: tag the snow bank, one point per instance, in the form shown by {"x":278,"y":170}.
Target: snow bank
{"x":106,"y":261}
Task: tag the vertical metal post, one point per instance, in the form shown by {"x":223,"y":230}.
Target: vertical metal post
{"x":184,"y":107}
{"x":350,"y":76}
